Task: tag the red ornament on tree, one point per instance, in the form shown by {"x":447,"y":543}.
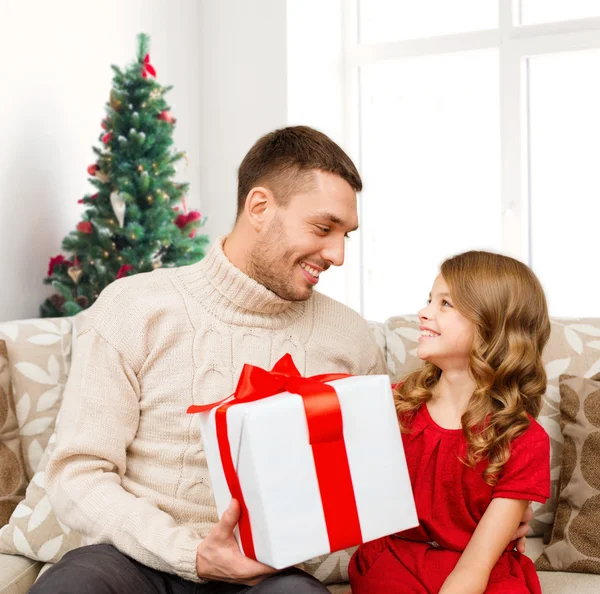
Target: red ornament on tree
{"x":92,"y":169}
{"x":107,"y":138}
{"x":124,"y":270}
{"x":94,"y":196}
{"x":60,"y":259}
{"x":84,"y":227}
{"x":183,"y":219}
{"x":104,"y":125}
{"x":166,"y":116}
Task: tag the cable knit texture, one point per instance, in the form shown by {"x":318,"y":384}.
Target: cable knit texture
{"x":129,"y":467}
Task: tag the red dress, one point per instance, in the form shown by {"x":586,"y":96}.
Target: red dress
{"x":451,"y":498}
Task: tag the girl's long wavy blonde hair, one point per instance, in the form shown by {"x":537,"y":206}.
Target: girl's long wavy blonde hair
{"x":506,"y":304}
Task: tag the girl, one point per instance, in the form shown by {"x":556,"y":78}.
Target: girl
{"x":475,"y":453}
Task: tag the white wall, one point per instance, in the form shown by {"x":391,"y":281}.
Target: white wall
{"x":244,"y":94}
{"x":56,"y":77}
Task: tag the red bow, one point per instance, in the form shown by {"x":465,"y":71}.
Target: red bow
{"x":325,"y":428}
{"x":147,"y":68}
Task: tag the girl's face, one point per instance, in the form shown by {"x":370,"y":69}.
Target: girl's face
{"x":446,"y":335}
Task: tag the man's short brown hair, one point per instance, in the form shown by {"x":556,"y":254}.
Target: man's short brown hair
{"x":283,"y":160}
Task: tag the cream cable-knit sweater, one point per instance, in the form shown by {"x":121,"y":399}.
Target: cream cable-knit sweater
{"x":129,"y":467}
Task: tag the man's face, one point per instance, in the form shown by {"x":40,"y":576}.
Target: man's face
{"x":305,"y":237}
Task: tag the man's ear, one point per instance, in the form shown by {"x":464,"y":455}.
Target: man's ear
{"x":259,"y":207}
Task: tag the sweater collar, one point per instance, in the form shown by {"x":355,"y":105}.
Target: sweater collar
{"x":231,"y":295}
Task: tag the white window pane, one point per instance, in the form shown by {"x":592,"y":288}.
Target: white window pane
{"x":565,"y":179}
{"x":383,"y":21}
{"x":546,"y":11}
{"x":430,"y":163}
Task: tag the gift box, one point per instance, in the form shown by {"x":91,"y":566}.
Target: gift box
{"x":317,"y":464}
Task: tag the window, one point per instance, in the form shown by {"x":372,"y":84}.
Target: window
{"x":430,"y":140}
{"x":475,"y":125}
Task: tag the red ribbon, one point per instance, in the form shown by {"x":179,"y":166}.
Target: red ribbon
{"x":147,"y":68}
{"x":325,"y":429}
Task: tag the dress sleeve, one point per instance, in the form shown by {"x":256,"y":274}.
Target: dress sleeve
{"x":526,"y":475}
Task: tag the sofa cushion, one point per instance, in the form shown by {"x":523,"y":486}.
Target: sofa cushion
{"x":12,"y":473}
{"x":575,"y":544}
{"x":33,"y":529}
{"x":573,"y":349}
{"x":39,"y":354}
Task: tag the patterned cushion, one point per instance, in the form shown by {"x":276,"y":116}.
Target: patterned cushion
{"x":39,"y":352}
{"x":12,"y":472}
{"x":34,"y":530}
{"x":574,"y":348}
{"x":575,"y":544}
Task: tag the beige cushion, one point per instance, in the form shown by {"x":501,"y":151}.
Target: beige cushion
{"x":17,"y":574}
{"x":575,"y":544}
{"x":39,"y":353}
{"x":12,"y":472}
{"x":34,"y":530}
{"x":574,"y":348}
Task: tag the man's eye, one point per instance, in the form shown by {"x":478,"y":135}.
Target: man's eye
{"x":323,"y":229}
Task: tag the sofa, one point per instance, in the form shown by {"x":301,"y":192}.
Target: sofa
{"x":36,"y":363}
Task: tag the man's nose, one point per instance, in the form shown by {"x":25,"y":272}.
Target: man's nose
{"x":334,"y":252}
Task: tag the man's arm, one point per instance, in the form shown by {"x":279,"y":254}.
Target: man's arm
{"x":98,"y":421}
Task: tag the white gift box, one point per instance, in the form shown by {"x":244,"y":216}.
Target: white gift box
{"x":274,"y":461}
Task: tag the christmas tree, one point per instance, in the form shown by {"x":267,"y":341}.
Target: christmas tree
{"x":137,"y":219}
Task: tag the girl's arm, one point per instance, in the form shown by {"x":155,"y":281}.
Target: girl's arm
{"x":490,"y":539}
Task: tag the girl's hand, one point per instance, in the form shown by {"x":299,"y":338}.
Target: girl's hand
{"x":521,"y":534}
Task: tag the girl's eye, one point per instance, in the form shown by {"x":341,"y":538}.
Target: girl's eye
{"x":444,"y":302}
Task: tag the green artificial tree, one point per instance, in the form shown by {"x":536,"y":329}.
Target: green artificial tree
{"x":137,"y":219}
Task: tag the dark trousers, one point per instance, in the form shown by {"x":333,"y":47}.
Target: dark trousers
{"x":102,"y":569}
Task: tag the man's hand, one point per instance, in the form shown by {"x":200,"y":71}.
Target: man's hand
{"x":523,"y":529}
{"x":219,"y":558}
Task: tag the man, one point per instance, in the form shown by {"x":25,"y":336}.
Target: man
{"x":129,"y":470}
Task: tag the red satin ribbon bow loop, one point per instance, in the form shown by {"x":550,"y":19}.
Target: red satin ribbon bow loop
{"x":325,"y":428}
